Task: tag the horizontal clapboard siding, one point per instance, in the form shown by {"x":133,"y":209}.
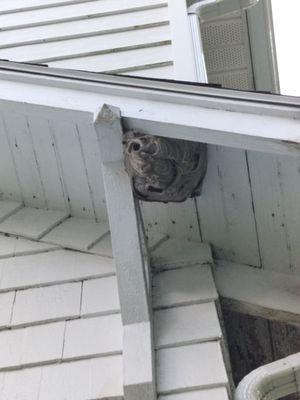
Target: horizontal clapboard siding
{"x":98,"y":35}
{"x":26,"y":5}
{"x":143,"y":57}
{"x":73,"y":11}
{"x":102,"y":44}
{"x":83,"y":28}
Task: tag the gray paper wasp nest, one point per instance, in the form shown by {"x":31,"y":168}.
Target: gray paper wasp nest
{"x":166,"y":170}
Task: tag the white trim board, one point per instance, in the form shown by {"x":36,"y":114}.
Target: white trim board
{"x":257,"y":292}
{"x":245,"y":120}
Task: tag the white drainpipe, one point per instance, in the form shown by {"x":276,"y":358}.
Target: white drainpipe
{"x":194,"y":13}
{"x":271,"y":382}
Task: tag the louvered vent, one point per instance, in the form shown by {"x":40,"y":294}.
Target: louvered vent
{"x":227,"y":51}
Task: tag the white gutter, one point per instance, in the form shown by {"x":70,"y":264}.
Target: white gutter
{"x":207,"y":9}
{"x":253,"y":121}
{"x":271,"y":382}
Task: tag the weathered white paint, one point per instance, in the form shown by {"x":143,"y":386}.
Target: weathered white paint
{"x":42,"y":291}
{"x":225,"y":207}
{"x":186,"y":325}
{"x":103,"y":247}
{"x":7,"y":208}
{"x":259,"y":292}
{"x":32,"y":223}
{"x":122,"y":218}
{"x":48,"y":268}
{"x":139,"y":379}
{"x":237,"y":184}
{"x":188,"y":320}
{"x":108,"y":304}
{"x":27,"y":384}
{"x":139,"y":372}
{"x":99,"y":312}
{"x":183,"y":287}
{"x":11,"y":246}
{"x":10,"y":185}
{"x":204,"y":114}
{"x":174,"y":253}
{"x":100,"y":336}
{"x":211,"y":394}
{"x":47,"y":304}
{"x":77,"y":233}
{"x":80,"y":37}
{"x":176,"y":368}
{"x":32,"y":345}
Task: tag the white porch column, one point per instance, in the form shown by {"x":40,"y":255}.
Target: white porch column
{"x":138,"y":349}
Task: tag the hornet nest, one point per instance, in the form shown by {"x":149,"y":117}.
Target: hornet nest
{"x":165,"y":170}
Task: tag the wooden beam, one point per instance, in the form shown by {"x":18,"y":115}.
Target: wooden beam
{"x":258,"y":292}
{"x":138,"y":348}
{"x":121,"y":209}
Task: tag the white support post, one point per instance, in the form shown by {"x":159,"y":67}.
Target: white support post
{"x":138,"y":348}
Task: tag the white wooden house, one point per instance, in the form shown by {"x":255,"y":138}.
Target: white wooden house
{"x":104,"y":297}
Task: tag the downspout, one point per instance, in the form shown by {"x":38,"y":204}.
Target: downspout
{"x":194,"y":13}
{"x":272,"y":381}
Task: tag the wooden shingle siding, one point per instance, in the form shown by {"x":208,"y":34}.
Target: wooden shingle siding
{"x":211,"y":394}
{"x":86,"y":379}
{"x":190,"y":350}
{"x":60,"y":321}
{"x":15,"y":246}
{"x":49,"y":268}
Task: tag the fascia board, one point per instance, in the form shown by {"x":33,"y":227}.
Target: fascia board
{"x":226,"y":117}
